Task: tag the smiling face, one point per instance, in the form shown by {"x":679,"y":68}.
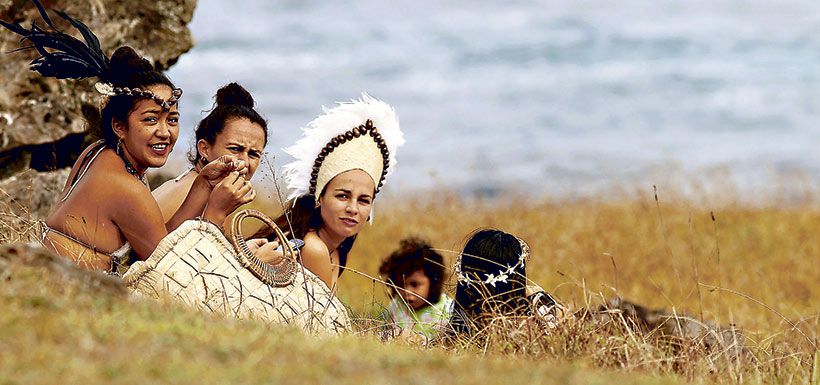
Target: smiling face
{"x":150,"y":133}
{"x":239,"y":137}
{"x":346,"y":203}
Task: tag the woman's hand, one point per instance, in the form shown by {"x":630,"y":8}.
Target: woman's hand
{"x":217,"y":170}
{"x":266,"y":251}
{"x":202,"y":199}
{"x":255,"y":244}
{"x":233,"y":191}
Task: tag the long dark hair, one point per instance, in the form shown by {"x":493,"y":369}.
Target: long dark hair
{"x":414,"y":254}
{"x":489,"y":251}
{"x":299,"y":218}
{"x":232,"y":102}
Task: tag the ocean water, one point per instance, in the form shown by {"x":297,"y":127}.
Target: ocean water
{"x":543,"y":97}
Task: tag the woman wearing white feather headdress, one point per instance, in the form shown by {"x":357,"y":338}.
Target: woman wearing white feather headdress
{"x":340,"y":165}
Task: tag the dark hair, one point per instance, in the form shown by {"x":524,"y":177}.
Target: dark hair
{"x":232,"y":102}
{"x":126,"y":69}
{"x":413,"y":255}
{"x":301,"y":216}
{"x":489,"y":251}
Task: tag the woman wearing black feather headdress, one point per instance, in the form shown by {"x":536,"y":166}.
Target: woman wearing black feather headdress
{"x":106,"y":208}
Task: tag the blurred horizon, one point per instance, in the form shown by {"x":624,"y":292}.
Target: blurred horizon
{"x":538,"y":98}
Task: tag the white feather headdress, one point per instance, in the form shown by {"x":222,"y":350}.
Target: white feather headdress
{"x":361,"y":134}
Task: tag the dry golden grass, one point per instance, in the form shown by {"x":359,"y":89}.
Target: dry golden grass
{"x":661,"y":254}
{"x":79,"y":328}
{"x":748,"y":265}
{"x":60,"y":325}
{"x":751,"y":266}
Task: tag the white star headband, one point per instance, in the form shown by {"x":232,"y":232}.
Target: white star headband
{"x":361,"y":134}
{"x":493,"y":278}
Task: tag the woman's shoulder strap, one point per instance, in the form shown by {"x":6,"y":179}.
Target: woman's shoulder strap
{"x":91,"y":154}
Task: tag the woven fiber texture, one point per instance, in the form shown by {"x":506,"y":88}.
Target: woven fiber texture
{"x":196,"y":265}
{"x":361,"y":153}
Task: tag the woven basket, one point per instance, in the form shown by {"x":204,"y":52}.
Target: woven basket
{"x":196,"y":265}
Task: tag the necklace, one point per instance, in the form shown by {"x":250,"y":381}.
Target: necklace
{"x":130,"y":167}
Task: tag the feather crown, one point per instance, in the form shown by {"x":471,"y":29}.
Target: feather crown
{"x":361,"y":134}
{"x":61,"y":55}
{"x":64,"y":57}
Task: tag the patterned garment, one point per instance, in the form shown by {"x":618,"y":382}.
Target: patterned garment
{"x":427,"y":321}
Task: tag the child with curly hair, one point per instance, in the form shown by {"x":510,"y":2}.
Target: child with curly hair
{"x":416,"y":273}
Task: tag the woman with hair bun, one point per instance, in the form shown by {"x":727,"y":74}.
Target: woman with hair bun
{"x":106,"y":208}
{"x":232,"y":127}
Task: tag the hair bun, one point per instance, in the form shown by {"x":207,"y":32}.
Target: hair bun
{"x":234,"y":94}
{"x":126,"y":62}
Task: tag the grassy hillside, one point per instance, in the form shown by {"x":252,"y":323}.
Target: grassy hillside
{"x":59,"y":326}
{"x":752,"y":266}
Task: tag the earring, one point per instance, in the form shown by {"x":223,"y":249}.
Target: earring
{"x":119,"y":147}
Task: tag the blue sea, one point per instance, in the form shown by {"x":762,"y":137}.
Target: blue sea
{"x":543,"y":97}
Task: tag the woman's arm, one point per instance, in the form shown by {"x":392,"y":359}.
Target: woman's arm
{"x":136,"y":214}
{"x":316,"y":258}
{"x":217,"y":191}
{"x":193,"y":205}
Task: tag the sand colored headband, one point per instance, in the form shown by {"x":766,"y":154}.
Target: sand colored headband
{"x":358,"y":135}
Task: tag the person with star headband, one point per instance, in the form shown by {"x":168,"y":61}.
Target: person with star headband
{"x":491,"y":281}
{"x":106,"y":208}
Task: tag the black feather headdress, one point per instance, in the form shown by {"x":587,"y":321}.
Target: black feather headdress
{"x":61,"y":55}
{"x":64,"y":57}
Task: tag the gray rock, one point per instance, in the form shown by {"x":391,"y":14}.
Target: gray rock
{"x":727,"y":342}
{"x":42,"y":123}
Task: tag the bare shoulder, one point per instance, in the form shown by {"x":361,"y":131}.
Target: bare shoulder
{"x":172,"y":193}
{"x":176,"y":186}
{"x":80,"y":162}
{"x":314,"y":248}
{"x":316,"y":258}
{"x":110,"y":182}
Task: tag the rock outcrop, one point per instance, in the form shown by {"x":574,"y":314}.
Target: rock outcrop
{"x":43,"y":121}
{"x":59,"y":272}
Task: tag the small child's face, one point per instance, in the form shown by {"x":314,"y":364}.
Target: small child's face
{"x":416,"y":289}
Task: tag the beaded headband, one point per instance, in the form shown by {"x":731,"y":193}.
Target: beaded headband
{"x":320,"y":176}
{"x":109,"y":90}
{"x":357,"y":135}
{"x":493,"y":278}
